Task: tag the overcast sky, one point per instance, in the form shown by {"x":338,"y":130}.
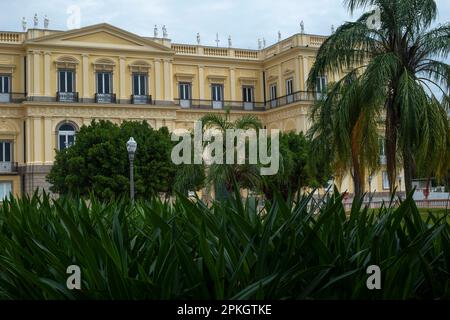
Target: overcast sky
{"x":244,"y":20}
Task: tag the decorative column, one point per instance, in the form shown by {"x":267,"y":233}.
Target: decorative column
{"x":201,"y":82}
{"x":47,"y":56}
{"x":158,"y":93}
{"x":122,"y":78}
{"x":171,"y":82}
{"x":305,"y":71}
{"x":28,"y":157}
{"x":36,"y":73}
{"x":85,"y":76}
{"x":37,"y":141}
{"x":30,"y":90}
{"x":166,"y":80}
{"x":280,"y":83}
{"x":233,"y":84}
{"x":48,"y":141}
{"x":297,"y":74}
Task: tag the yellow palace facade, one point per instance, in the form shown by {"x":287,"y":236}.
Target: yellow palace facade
{"x":53,"y":82}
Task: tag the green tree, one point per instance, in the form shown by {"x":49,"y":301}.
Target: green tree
{"x":98,"y":162}
{"x":344,"y":131}
{"x":223,"y":175}
{"x":298,"y":167}
{"x":398,"y":63}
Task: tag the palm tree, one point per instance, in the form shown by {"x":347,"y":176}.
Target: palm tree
{"x":344,"y":131}
{"x":398,"y":64}
{"x":223,"y":175}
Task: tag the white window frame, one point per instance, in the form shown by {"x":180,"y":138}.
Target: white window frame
{"x":65,"y":72}
{"x":3,"y":190}
{"x":217,"y":92}
{"x":103,"y":82}
{"x":184,"y":90}
{"x":3,"y":88}
{"x":248,"y":94}
{"x":140,"y":76}
{"x":385,"y":180}
{"x":273,"y":91}
{"x":321,"y":84}
{"x":66,"y":134}
{"x":289,"y":86}
{"x":273,"y":95}
{"x":3,"y":150}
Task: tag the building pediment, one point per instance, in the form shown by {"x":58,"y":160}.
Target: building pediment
{"x":100,"y":36}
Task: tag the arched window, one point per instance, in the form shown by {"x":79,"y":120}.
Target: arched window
{"x":66,"y":136}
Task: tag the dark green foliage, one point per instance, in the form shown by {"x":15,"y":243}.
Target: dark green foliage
{"x":98,"y":161}
{"x":400,"y":67}
{"x":299,"y":167}
{"x":155,"y":250}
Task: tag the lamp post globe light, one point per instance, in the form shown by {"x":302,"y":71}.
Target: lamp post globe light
{"x":131,"y":148}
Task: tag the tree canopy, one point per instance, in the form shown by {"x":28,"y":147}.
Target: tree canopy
{"x":399,"y":61}
{"x":98,"y":162}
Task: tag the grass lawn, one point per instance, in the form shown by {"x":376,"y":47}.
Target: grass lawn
{"x":437,"y":212}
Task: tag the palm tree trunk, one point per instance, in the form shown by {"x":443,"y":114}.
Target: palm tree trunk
{"x":357,"y":178}
{"x":408,"y":167}
{"x":358,"y":175}
{"x":391,"y":143}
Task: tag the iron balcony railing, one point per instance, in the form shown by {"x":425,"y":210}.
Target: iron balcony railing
{"x":294,"y":97}
{"x":257,"y":106}
{"x":218,"y":105}
{"x":13,"y":97}
{"x":141,"y":99}
{"x":67,"y":96}
{"x":8,"y":167}
{"x":105,"y":98}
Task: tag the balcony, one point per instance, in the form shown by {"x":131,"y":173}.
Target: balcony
{"x":141,"y":99}
{"x":220,"y":105}
{"x":67,"y":96}
{"x":105,"y":98}
{"x":12,"y":97}
{"x":293,"y":97}
{"x":8,"y":167}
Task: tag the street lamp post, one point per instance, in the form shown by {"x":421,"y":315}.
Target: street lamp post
{"x":400,"y":184}
{"x":370,"y":183}
{"x":131,"y":148}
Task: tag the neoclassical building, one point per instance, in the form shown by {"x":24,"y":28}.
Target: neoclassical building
{"x":53,"y":82}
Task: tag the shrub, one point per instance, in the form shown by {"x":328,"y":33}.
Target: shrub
{"x":185,"y":250}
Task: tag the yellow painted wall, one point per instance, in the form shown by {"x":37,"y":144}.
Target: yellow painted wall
{"x":290,"y":58}
{"x":15,"y":179}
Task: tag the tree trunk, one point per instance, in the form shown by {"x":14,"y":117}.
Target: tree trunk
{"x":391,"y":143}
{"x":408,"y":167}
{"x":358,"y":174}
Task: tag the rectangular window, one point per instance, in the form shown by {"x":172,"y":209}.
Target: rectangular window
{"x":5,"y":190}
{"x":104,"y":84}
{"x":66,"y":81}
{"x":385,"y":180}
{"x":247,"y":94}
{"x":184,"y":90}
{"x":5,"y":82}
{"x":381,"y":143}
{"x":289,"y":86}
{"x":5,"y":151}
{"x":321,"y":84}
{"x":273,"y":91}
{"x":140,"y":84}
{"x":217,"y":92}
{"x":273,"y":95}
